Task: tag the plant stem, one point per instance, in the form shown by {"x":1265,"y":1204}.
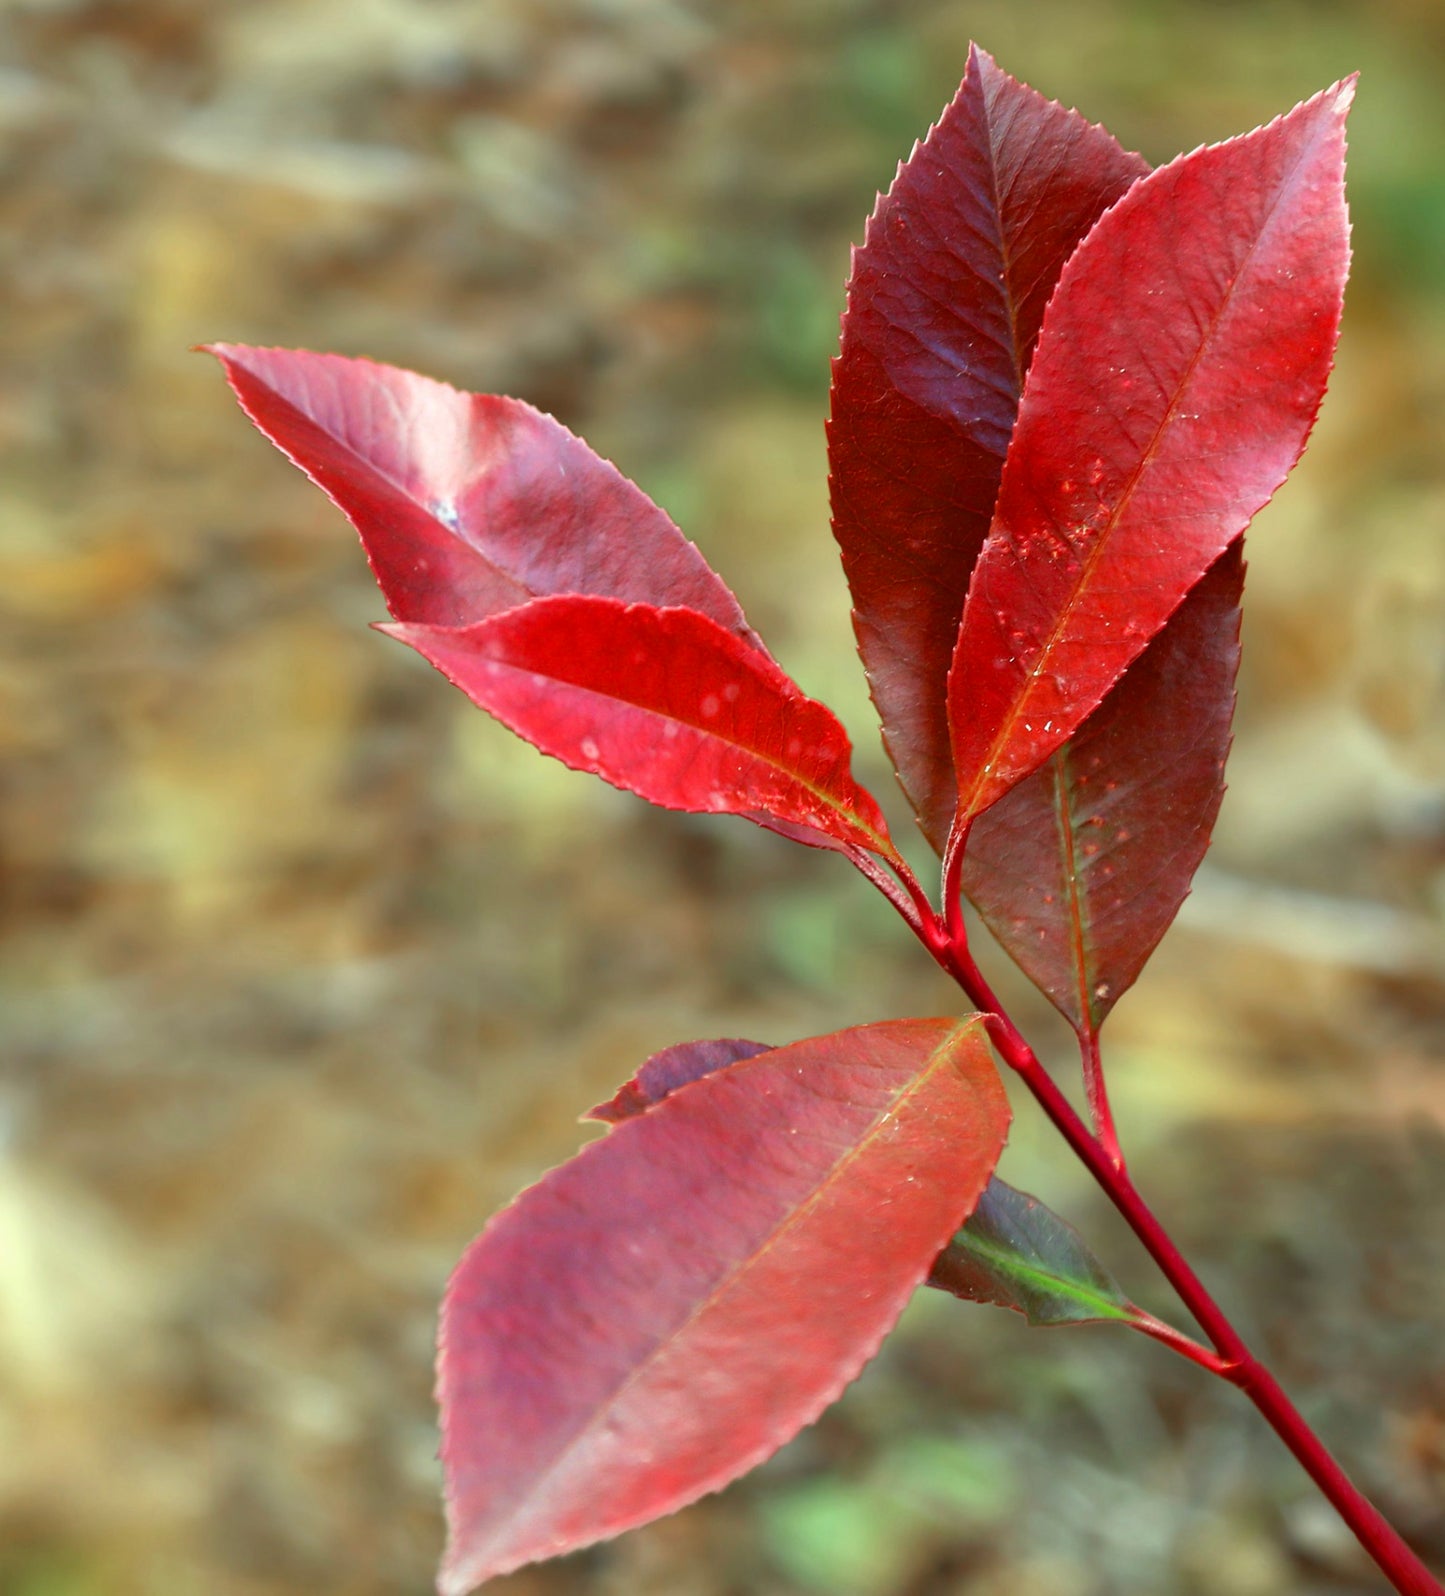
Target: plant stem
{"x":1177,"y":1341}
{"x":1098,"y":1096}
{"x":1236,"y":1363}
{"x":905,"y":894}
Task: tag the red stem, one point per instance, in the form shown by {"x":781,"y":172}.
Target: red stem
{"x":905,"y":894}
{"x":1235,"y":1363}
{"x":1177,"y":1341}
{"x":1098,"y":1096}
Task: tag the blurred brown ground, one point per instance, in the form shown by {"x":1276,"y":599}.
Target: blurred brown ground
{"x":305,"y":967}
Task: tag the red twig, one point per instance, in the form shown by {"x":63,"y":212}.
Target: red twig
{"x":1235,"y":1362}
{"x":1177,"y":1341}
{"x":904,"y":894}
{"x":1098,"y":1095}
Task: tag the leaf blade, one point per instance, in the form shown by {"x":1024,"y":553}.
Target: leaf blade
{"x":1080,"y":869}
{"x":1015,"y":1253}
{"x":665,"y":1072}
{"x":1180,"y":367}
{"x":703,"y":1256}
{"x":664,"y":703}
{"x":467,"y":504}
{"x":945,"y":300}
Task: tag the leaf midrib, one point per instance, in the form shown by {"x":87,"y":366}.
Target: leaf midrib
{"x":1060,"y":780}
{"x":1010,"y":1265}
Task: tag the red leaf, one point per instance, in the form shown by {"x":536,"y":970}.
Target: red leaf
{"x":664,"y":1072}
{"x":664,"y":703}
{"x":1181,"y":363}
{"x":468,"y":504}
{"x":1081,"y":868}
{"x":663,"y":1312}
{"x":944,"y":305}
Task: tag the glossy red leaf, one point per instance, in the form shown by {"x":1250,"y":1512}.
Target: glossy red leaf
{"x":664,"y":1072}
{"x":468,"y":504}
{"x":1181,"y":363}
{"x":944,"y":304}
{"x":1081,"y":868}
{"x":667,"y":704}
{"x":663,"y":1312}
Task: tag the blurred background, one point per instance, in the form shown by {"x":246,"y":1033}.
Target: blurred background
{"x":305,"y":967}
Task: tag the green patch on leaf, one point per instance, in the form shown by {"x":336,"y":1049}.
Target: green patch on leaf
{"x":1018,"y":1254}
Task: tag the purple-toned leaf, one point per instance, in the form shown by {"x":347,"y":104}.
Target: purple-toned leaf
{"x":663,"y":1312}
{"x":944,"y":304}
{"x":667,"y":704}
{"x":1081,"y":868}
{"x":1180,"y":366}
{"x":468,"y":504}
{"x":664,"y":1072}
{"x":1016,"y":1253}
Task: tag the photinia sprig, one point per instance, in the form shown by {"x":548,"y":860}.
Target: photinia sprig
{"x":1066,"y":384}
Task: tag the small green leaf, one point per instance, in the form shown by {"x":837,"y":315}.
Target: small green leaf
{"x":1019,"y":1254}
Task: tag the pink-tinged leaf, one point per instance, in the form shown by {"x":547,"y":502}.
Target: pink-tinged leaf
{"x":1081,"y":868}
{"x":667,"y":704}
{"x":664,"y":1072}
{"x":1181,"y":363}
{"x":1012,"y":1251}
{"x":468,"y":504}
{"x":944,"y":304}
{"x":663,"y":1312}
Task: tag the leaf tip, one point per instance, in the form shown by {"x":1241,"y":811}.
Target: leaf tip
{"x":450,"y":1583}
{"x":627,"y":1102}
{"x":462,"y":1572}
{"x":231,"y":355}
{"x":980,"y":64}
{"x":227,"y":356}
{"x":415,"y":634}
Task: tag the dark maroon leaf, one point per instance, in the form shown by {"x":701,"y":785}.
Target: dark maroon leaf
{"x":1179,"y":369}
{"x":944,"y":305}
{"x":667,"y":704}
{"x":1081,"y":868}
{"x":664,"y":1072}
{"x":1016,"y":1253}
{"x":468,"y":504}
{"x":661,"y":1313}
